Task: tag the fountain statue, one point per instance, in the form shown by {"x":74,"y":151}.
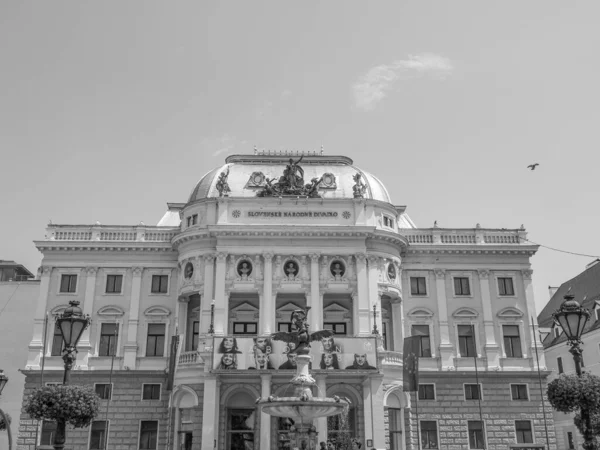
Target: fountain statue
{"x":302,"y":407}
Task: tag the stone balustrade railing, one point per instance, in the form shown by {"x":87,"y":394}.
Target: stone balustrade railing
{"x":109,"y":233}
{"x":465,"y":236}
{"x":392,"y":358}
{"x":186,"y":358}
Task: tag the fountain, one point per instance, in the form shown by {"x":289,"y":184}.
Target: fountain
{"x":302,"y":406}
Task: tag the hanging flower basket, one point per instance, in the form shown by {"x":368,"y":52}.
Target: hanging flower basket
{"x":569,"y":393}
{"x":72,"y":404}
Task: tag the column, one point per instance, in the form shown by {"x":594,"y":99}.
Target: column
{"x":316,"y":299}
{"x":367,"y":408}
{"x":221,"y":299}
{"x":267,"y":307}
{"x":374,"y":297}
{"x":265,"y":419}
{"x":37,"y":340}
{"x":529,"y":299}
{"x":321,"y":423}
{"x":360,"y":302}
{"x":207,"y":296}
{"x":85,"y":346}
{"x":375,"y":384}
{"x":397,"y":324}
{"x":182,"y":321}
{"x":130,"y":348}
{"x":491,"y":347}
{"x":210,"y":413}
{"x":446,"y":349}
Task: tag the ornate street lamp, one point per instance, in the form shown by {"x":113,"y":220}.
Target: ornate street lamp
{"x":211,"y":327}
{"x":375,"y":331}
{"x":3,"y":381}
{"x":71,"y":324}
{"x":572,"y":318}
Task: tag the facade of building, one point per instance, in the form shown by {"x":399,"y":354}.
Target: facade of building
{"x":586,"y":289}
{"x":258,"y":238}
{"x":17,"y":300}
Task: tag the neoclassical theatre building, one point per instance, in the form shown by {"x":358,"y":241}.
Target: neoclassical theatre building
{"x":259,"y":237}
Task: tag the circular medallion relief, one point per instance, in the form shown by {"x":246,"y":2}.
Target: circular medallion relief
{"x":291,"y":269}
{"x":258,"y":178}
{"x":328,"y":179}
{"x":244,"y":268}
{"x":391,"y":271}
{"x":236,"y":213}
{"x":337,"y":268}
{"x":188,"y":271}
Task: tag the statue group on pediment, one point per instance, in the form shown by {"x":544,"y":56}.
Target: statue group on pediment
{"x":291,"y":183}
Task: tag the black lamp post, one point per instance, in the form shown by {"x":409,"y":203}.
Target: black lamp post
{"x":3,"y":381}
{"x":571,"y":317}
{"x":71,"y":324}
{"x":211,"y":328}
{"x":375,"y":331}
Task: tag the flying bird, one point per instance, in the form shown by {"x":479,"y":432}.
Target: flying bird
{"x":532,"y":166}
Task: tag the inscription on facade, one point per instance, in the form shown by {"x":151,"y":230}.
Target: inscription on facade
{"x":292,"y":214}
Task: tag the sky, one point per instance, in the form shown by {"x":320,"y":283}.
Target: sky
{"x":108,"y":110}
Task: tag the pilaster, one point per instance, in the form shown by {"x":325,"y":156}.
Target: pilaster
{"x":374,"y":297}
{"x":446,"y":349}
{"x":210,"y":413}
{"x":37,"y":340}
{"x":182,"y":320}
{"x":265,"y":419}
{"x":221,"y":297}
{"x":267,"y":307}
{"x":131,"y":347}
{"x":531,"y":313}
{"x":321,"y":423}
{"x":398,"y":324}
{"x":84,"y":346}
{"x":316,"y":299}
{"x":208,"y":293}
{"x":491,"y":347}
{"x":376,"y":391}
{"x":360,"y":301}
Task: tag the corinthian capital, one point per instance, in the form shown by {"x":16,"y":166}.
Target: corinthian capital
{"x":314,"y":257}
{"x":483,"y":273}
{"x":360,"y":257}
{"x":268,"y":256}
{"x":91,"y":270}
{"x":209,"y":258}
{"x":440,"y":273}
{"x":527,"y":273}
{"x":221,"y":257}
{"x":137,"y":270}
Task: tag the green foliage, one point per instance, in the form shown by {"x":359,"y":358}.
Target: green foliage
{"x":569,"y":392}
{"x":75,"y":405}
{"x":2,"y":424}
{"x":595,"y":416}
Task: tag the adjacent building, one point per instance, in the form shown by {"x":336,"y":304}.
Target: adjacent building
{"x":259,"y":237}
{"x":586,"y":289}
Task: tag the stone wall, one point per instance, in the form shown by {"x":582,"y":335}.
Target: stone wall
{"x":125,"y":412}
{"x":451,"y":411}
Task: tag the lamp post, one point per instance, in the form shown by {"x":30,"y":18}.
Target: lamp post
{"x":375,"y":331}
{"x":571,"y":317}
{"x":211,"y":328}
{"x":71,"y":324}
{"x":3,"y":381}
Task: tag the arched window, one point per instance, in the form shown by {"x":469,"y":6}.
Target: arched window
{"x":393,"y":407}
{"x":241,"y":420}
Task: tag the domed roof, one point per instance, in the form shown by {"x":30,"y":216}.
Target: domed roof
{"x":247,"y":175}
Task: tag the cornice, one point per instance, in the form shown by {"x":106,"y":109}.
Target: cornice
{"x":103,"y":246}
{"x":482,"y":249}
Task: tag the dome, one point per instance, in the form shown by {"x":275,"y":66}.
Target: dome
{"x":247,"y":174}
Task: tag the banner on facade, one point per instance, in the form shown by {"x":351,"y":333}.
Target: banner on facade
{"x":410,"y":361}
{"x":333,"y":353}
{"x":173,"y":359}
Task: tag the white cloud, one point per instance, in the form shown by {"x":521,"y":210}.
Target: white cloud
{"x":373,"y":86}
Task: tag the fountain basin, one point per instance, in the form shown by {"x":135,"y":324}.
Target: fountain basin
{"x":297,"y":408}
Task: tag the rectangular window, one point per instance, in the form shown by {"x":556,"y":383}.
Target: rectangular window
{"x":429,"y":437}
{"x":461,"y":286}
{"x":570,"y":440}
{"x":418,"y":286}
{"x":426,"y":392}
{"x":336,"y":327}
{"x":475,"y":428}
{"x":48,"y":432}
{"x":109,"y":333}
{"x":395,"y":428}
{"x":189,"y":221}
{"x":519,"y":392}
{"x":512,"y":341}
{"x":466,"y":341}
{"x":472,"y":392}
{"x":194,"y":219}
{"x":284,"y":326}
{"x":104,"y":391}
{"x":151,"y":392}
{"x":424,"y":341}
{"x":155,"y":344}
{"x":388,"y":222}
{"x":244,"y":328}
{"x":195,"y":334}
{"x":114,"y":284}
{"x":505,"y":286}
{"x":98,"y":435}
{"x":560,"y":365}
{"x":68,"y":283}
{"x":149,"y":435}
{"x":160,"y":284}
{"x":57,"y":342}
{"x":524,"y":432}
